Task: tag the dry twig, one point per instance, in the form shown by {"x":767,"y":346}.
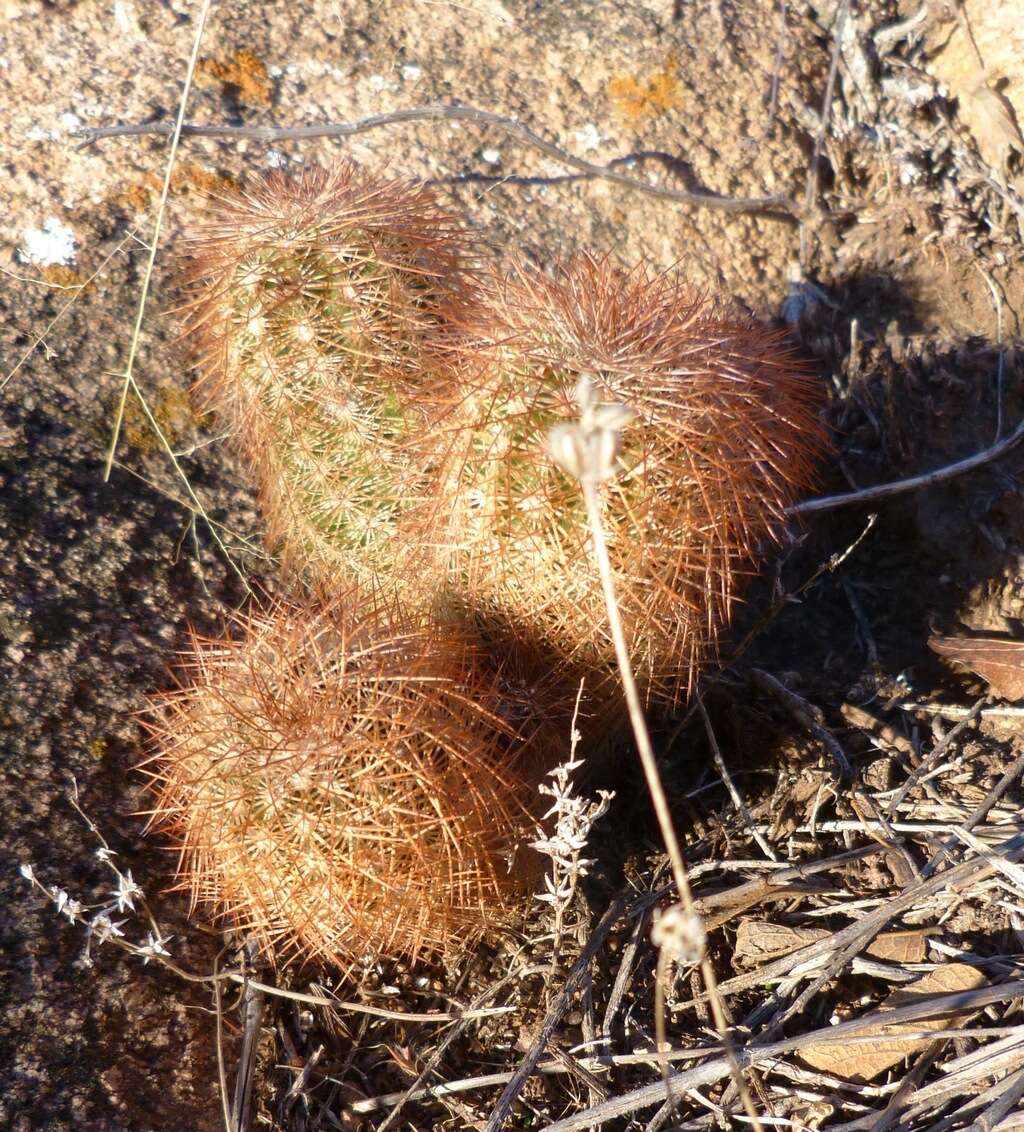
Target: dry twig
{"x":435,"y":113}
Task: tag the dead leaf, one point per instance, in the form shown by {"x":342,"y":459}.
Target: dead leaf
{"x":761,"y":941}
{"x":999,"y":661}
{"x":901,"y":947}
{"x":864,"y":1061}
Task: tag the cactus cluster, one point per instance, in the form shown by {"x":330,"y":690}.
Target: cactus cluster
{"x":353,"y":774}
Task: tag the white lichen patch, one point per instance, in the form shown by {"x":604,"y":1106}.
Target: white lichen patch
{"x":54,"y":243}
{"x":588,"y":138}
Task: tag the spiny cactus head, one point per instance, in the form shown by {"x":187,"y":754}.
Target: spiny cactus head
{"x":336,"y":481}
{"x":725,"y":435}
{"x":329,"y":263}
{"x":318,"y":301}
{"x":342,"y":785}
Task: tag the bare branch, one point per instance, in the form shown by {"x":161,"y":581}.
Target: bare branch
{"x":926,"y":479}
{"x":442,"y":112}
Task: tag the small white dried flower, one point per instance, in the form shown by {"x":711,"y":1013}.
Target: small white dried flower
{"x":126,"y":892}
{"x":589,"y":448}
{"x":612,"y":416}
{"x":154,"y":946}
{"x":680,"y":934}
{"x":567,"y":450}
{"x":104,"y":854}
{"x":72,"y":909}
{"x":105,"y":928}
{"x":27,"y":871}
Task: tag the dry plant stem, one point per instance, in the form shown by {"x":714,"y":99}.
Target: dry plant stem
{"x":416,"y":1089}
{"x":353,"y":1007}
{"x":154,"y":242}
{"x":632,"y":696}
{"x":197,"y":504}
{"x":734,"y":794}
{"x":844,"y":1032}
{"x":979,"y":814}
{"x":246,"y":542}
{"x":554,"y":1016}
{"x":955,"y":1086}
{"x":442,"y":112}
{"x":808,"y":716}
{"x":819,"y":141}
{"x":1013,"y":1090}
{"x":41,"y":336}
{"x":624,"y":977}
{"x":936,"y":753}
{"x":662,"y":975}
{"x":958,"y":712}
{"x":780,"y":55}
{"x":222,"y":1077}
{"x":926,"y":479}
{"x":865,"y":929}
{"x":1001,"y":363}
{"x":556,"y":1066}
{"x":649,"y":763}
{"x":241,"y":978}
{"x":252,"y":1014}
{"x":907,"y":1087}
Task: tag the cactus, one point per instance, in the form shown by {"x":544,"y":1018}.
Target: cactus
{"x":725,"y":436}
{"x":342,"y":787}
{"x":317,"y":302}
{"x":350,"y":778}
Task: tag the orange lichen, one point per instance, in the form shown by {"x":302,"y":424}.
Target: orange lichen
{"x":192,"y":175}
{"x":186,"y":176}
{"x":347,"y":784}
{"x":173,"y":411}
{"x":637,"y":101}
{"x":243,"y":72}
{"x":60,"y":275}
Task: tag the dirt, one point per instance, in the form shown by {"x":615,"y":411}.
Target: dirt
{"x":905,"y":282}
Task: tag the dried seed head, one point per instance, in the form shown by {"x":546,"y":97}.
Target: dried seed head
{"x":680,"y":934}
